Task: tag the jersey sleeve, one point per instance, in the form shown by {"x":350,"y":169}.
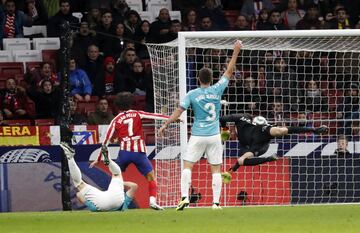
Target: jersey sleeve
{"x":221,"y":85}
{"x":109,"y":133}
{"x":185,"y":103}
{"x":154,"y":116}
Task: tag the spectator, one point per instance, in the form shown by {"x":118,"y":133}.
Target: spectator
{"x":280,"y":83}
{"x":248,"y":94}
{"x":80,"y":85}
{"x":142,"y":78}
{"x":173,"y":32}
{"x":132,"y":22}
{"x":123,"y":72}
{"x":206,"y":24}
{"x":277,"y":114}
{"x":64,"y":14}
{"x":161,"y":26}
{"x":104,"y":82}
{"x":119,"y":10}
{"x":314,"y":100}
{"x":13,"y":101}
{"x":310,"y":20}
{"x":93,"y":64}
{"x":251,"y":8}
{"x":211,"y":9}
{"x":142,"y":35}
{"x":101,"y":116}
{"x":342,"y":147}
{"x":36,"y":76}
{"x":275,"y":21}
{"x":51,"y":6}
{"x":47,"y":100}
{"x":118,"y":42}
{"x":292,"y":14}
{"x":341,"y":20}
{"x":190,"y":22}
{"x":81,"y":42}
{"x":94,"y":16}
{"x":76,"y":118}
{"x":12,"y":21}
{"x":263,"y":20}
{"x":241,"y":24}
{"x":36,"y":10}
{"x":349,"y":108}
{"x":104,"y":32}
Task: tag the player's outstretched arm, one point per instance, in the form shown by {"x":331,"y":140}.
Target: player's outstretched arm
{"x":230,"y":118}
{"x":282,"y":131}
{"x":173,"y":118}
{"x":231,"y":65}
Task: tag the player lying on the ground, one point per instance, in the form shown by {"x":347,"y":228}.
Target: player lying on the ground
{"x":112,"y":199}
{"x":254,"y":136}
{"x":127,"y":126}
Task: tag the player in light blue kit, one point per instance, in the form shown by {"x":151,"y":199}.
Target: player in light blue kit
{"x":205,"y":133}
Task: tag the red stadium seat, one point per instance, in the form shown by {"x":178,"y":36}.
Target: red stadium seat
{"x":20,"y":122}
{"x":44,"y":121}
{"x":51,"y":56}
{"x":10,"y":69}
{"x":85,"y":107}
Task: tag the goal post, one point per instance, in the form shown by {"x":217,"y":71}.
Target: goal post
{"x":290,"y":77}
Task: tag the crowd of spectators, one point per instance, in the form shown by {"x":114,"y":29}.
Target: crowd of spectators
{"x":109,"y":55}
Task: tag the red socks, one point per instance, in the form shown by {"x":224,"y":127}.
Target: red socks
{"x":152,"y":188}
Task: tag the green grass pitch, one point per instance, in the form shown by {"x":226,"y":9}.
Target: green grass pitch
{"x":287,"y":219}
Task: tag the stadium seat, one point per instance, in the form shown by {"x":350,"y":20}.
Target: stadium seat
{"x":46,"y":43}
{"x":2,"y":84}
{"x":19,"y":122}
{"x":78,"y":15}
{"x":156,"y":5}
{"x":16,"y":43}
{"x":10,"y":69}
{"x":6,"y":56}
{"x":44,"y":121}
{"x":136,"y":5}
{"x":50,"y":55}
{"x":35,"y":30}
{"x":175,"y":15}
{"x":27,"y":55}
{"x":32,"y":65}
{"x":146,"y":15}
{"x":85,"y":107}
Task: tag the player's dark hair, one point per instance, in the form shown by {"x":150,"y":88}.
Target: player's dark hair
{"x":205,"y":75}
{"x":124,"y":100}
{"x":342,"y":137}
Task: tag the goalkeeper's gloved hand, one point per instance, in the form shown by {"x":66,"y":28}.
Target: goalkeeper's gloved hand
{"x":225,"y":133}
{"x":105,"y":153}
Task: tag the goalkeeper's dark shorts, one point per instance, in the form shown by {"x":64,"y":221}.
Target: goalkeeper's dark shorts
{"x":260,"y":141}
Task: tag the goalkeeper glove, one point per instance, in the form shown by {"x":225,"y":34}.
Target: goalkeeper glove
{"x":225,"y":134}
{"x":105,"y":153}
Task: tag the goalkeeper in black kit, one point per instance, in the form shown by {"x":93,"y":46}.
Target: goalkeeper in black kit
{"x":254,"y":135}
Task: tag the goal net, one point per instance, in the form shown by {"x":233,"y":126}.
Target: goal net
{"x":293,"y":78}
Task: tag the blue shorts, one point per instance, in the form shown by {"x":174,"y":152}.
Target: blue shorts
{"x":140,"y":160}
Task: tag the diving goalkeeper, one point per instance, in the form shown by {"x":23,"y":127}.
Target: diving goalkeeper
{"x":254,"y":135}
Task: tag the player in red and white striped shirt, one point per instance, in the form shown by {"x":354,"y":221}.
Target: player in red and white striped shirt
{"x":127,"y":126}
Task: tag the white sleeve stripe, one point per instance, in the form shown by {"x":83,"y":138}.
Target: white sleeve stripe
{"x":155,"y":116}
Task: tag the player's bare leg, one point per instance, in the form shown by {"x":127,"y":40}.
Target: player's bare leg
{"x":150,"y":177}
{"x":185,"y":185}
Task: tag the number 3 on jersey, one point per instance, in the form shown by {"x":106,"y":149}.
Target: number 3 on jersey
{"x":129,"y":122}
{"x":210,"y":107}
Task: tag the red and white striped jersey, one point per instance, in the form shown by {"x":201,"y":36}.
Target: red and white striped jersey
{"x":127,"y":126}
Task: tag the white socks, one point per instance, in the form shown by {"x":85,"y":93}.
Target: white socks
{"x":75,"y":172}
{"x":216,"y":187}
{"x":114,"y":168}
{"x":185,"y":182}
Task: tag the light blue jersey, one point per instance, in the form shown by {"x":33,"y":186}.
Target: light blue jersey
{"x":205,"y":103}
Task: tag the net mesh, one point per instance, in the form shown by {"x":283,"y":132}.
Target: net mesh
{"x":300,"y":81}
